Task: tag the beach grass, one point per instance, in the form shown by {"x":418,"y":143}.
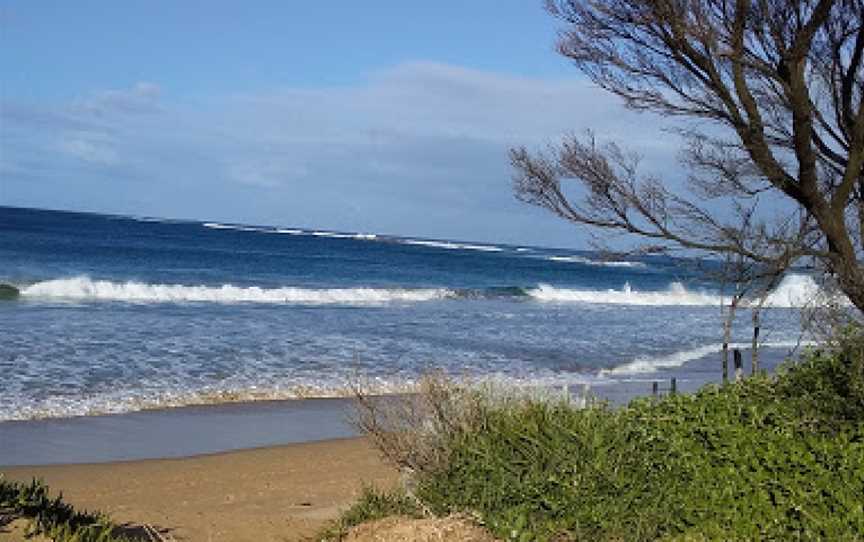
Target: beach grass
{"x":52,"y":517}
{"x":373,"y":504}
{"x":767,"y":458}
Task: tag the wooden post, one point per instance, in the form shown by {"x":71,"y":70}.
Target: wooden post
{"x":739,"y":370}
{"x":655,"y":388}
{"x":754,"y":354}
{"x":725,"y":362}
{"x":674,"y":388}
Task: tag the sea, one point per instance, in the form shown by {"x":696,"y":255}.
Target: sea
{"x":127,"y":313}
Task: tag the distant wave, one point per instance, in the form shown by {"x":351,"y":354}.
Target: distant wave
{"x":83,"y":288}
{"x":433,"y":244}
{"x":451,"y":245}
{"x":217,"y":226}
{"x":588,"y":261}
{"x":643,"y":365}
{"x":235,"y":227}
{"x":292,"y":231}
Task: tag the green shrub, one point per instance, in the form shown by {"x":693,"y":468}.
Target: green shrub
{"x":52,"y":517}
{"x":778,"y":458}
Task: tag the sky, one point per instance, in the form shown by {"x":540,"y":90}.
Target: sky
{"x":381,"y":116}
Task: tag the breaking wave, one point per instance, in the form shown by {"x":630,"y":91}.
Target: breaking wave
{"x":675,"y":295}
{"x":83,"y":288}
{"x":794,"y":291}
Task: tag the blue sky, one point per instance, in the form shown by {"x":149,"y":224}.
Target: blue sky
{"x":387,"y":117}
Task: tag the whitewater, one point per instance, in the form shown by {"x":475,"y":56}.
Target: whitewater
{"x":794,"y":291}
{"x":117,"y":314}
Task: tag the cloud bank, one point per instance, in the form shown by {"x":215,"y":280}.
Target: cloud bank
{"x":418,"y":149}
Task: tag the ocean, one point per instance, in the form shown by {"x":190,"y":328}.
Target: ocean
{"x":122,"y":313}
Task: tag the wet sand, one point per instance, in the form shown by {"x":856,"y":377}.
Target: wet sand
{"x":278,"y":493}
{"x":173,"y":432}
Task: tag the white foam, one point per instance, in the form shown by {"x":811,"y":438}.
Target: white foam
{"x":794,"y":291}
{"x":675,"y":295}
{"x":83,"y":288}
{"x":643,"y":365}
{"x":799,"y":291}
{"x":289,"y":231}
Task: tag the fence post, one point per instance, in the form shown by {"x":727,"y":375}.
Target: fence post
{"x":655,"y":389}
{"x":674,"y":388}
{"x":739,"y":364}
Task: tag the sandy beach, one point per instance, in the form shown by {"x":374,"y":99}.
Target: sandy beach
{"x":278,"y":493}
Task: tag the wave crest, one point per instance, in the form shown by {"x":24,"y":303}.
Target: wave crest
{"x":83,"y":288}
{"x":794,"y":291}
{"x":675,"y":295}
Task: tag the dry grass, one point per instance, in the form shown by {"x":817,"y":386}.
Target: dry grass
{"x":412,"y":431}
{"x":396,"y":529}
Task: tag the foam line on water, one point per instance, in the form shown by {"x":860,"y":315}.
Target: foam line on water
{"x":451,"y":246}
{"x":644,"y":364}
{"x":123,"y":401}
{"x":234,"y":227}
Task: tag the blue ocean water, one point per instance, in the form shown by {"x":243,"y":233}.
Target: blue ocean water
{"x":122,"y":313}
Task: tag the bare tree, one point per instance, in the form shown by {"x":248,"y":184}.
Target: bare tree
{"x":769,"y":98}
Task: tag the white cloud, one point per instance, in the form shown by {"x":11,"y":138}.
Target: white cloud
{"x":88,"y":148}
{"x":420,"y":149}
{"x":141,"y":98}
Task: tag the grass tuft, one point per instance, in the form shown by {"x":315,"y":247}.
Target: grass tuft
{"x":58,"y":520}
{"x":373,"y":504}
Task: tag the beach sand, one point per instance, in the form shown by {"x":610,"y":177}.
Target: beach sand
{"x":278,"y":493}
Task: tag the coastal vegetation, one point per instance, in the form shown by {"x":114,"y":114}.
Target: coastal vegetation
{"x":53,"y":518}
{"x":768,"y":458}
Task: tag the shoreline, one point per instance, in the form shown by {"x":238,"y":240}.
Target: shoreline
{"x":286,"y":492}
{"x":196,"y":430}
